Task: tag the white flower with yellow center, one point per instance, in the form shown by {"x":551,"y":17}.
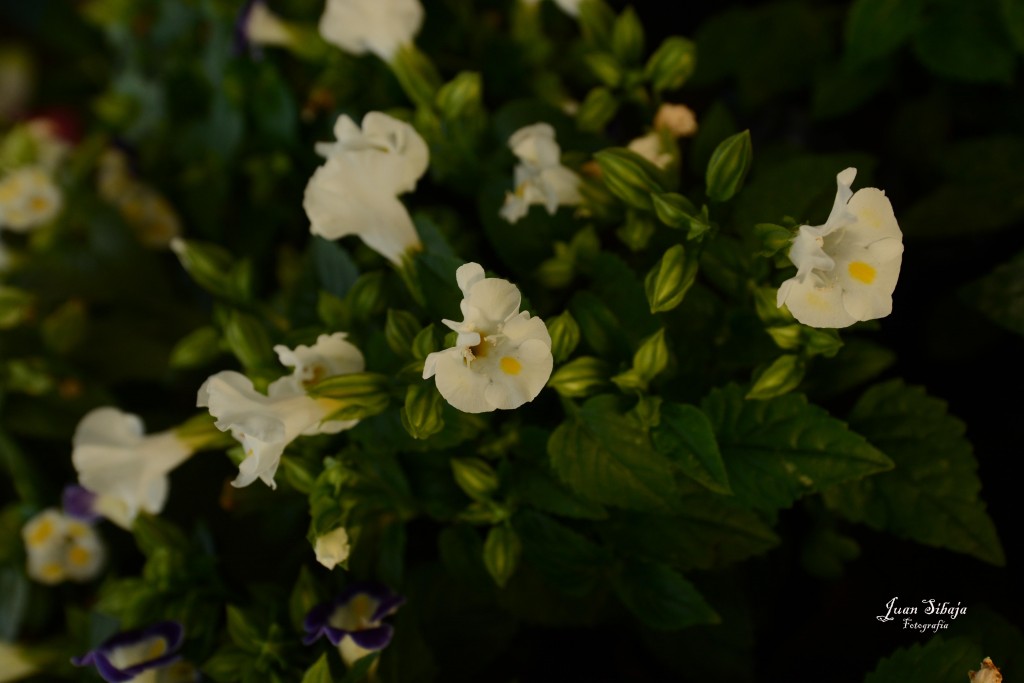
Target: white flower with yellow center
{"x":846,"y":268}
{"x":356,"y":191}
{"x":126,"y":468}
{"x":266,"y":423}
{"x":60,"y":548}
{"x":501,"y":358}
{"x":378,"y":26}
{"x":28,"y":199}
{"x":333,"y":548}
{"x":540,"y":177}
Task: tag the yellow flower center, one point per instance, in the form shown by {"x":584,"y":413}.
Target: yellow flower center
{"x":42,"y":532}
{"x":39,"y":204}
{"x":79,"y":556}
{"x":510,"y":366}
{"x":862,"y":272}
{"x":156,"y":649}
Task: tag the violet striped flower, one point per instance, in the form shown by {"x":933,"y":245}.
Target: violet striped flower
{"x":353,"y":621}
{"x":136,"y":656}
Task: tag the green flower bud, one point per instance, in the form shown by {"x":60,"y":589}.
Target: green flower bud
{"x":628,"y":37}
{"x":400,"y":330}
{"x":248,"y":340}
{"x":416,"y":74}
{"x":475,"y":477}
{"x":773,"y":238}
{"x":629,"y":176}
{"x":580,"y":377}
{"x":597,"y":110}
{"x":605,"y":67}
{"x":461,"y":97}
{"x":596,"y":19}
{"x":196,"y":349}
{"x":422,"y":415}
{"x":565,"y":336}
{"x":212,"y":268}
{"x":16,"y":307}
{"x":672,"y":64}
{"x":366,"y":297}
{"x":501,"y":553}
{"x":355,"y":396}
{"x":788,"y":337}
{"x":728,"y":166}
{"x":668,"y":281}
{"x":652,"y":356}
{"x":424,"y":343}
{"x":676,"y":211}
{"x":781,"y":377}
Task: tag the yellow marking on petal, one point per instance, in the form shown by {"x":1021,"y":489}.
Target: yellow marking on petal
{"x":52,"y":571}
{"x":862,"y":272}
{"x":76,"y":529}
{"x":480,"y":350}
{"x":41,"y":533}
{"x":362,"y":606}
{"x":39,"y":204}
{"x":79,"y":556}
{"x":510,"y":366}
{"x":156,"y":649}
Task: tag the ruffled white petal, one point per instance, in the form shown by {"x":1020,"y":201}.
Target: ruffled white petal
{"x":118,"y":462}
{"x":377,"y":26}
{"x":539,"y":177}
{"x":332,"y":548}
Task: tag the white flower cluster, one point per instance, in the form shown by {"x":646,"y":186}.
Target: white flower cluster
{"x":378,"y":26}
{"x":60,"y":548}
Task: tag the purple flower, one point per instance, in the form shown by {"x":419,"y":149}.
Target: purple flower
{"x":79,"y":503}
{"x":353,"y":620}
{"x":125,"y":656}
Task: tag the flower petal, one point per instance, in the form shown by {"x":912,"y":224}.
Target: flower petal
{"x":816,"y":306}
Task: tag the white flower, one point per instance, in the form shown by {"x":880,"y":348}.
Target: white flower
{"x":540,"y":177}
{"x":266,"y":423}
{"x":989,"y":673}
{"x":14,"y":665}
{"x":125,"y":468}
{"x":502,"y":357}
{"x":260,"y":26}
{"x":570,"y":7}
{"x":60,"y":548}
{"x":356,"y":191}
{"x":672,"y":122}
{"x":377,"y":26}
{"x":848,"y":267}
{"x":332,"y":548}
{"x":28,"y":199}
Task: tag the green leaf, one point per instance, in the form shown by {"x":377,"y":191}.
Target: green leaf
{"x":196,"y":349}
{"x":607,"y":458}
{"x":670,"y":279}
{"x":628,"y":37}
{"x":687,"y":437}
{"x":874,"y":28}
{"x":229,"y":665}
{"x":672,"y":64}
{"x":242,"y":632}
{"x":660,"y":598}
{"x":938,"y":661}
{"x":565,"y":336}
{"x":320,"y":672}
{"x":534,"y":487}
{"x":1000,"y":294}
{"x":572,"y":563}
{"x":965,"y":41}
{"x":1013,"y":19}
{"x":728,"y":166}
{"x":248,"y":340}
{"x":361,"y":668}
{"x":932,"y":495}
{"x":597,"y":109}
{"x":781,"y":377}
{"x":778,"y":450}
{"x":708,"y":532}
{"x":334,"y":268}
{"x":305,"y":596}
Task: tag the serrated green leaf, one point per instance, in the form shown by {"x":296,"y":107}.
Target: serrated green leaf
{"x":707,"y":532}
{"x":660,"y":598}
{"x":1000,"y":294}
{"x":874,"y":28}
{"x":687,"y":437}
{"x":932,"y":495}
{"x":536,"y":488}
{"x":939,"y":661}
{"x":572,"y":563}
{"x":607,"y":458}
{"x":778,"y":450}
